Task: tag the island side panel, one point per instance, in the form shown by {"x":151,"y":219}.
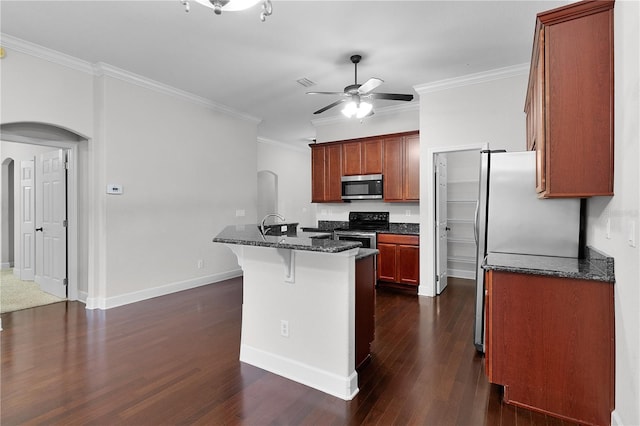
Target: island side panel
{"x":319,"y":307}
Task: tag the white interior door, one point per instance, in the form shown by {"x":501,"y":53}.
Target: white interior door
{"x":27,"y":220}
{"x":51,"y":215}
{"x":441,"y":221}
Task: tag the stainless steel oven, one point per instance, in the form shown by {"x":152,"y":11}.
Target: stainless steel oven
{"x":367,"y":238}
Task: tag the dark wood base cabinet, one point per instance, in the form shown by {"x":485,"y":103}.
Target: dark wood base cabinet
{"x":399,"y":259}
{"x":550,"y":342}
{"x":365,"y":308}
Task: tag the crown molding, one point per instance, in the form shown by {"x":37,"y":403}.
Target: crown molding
{"x":283,"y":145}
{"x":379,"y":112}
{"x":102,"y":69}
{"x":49,"y":55}
{"x":470,"y":79}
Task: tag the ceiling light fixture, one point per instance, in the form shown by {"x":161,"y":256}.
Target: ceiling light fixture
{"x":219,"y":6}
{"x":359,"y":109}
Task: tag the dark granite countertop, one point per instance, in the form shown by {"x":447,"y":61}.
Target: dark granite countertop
{"x":365,"y":252}
{"x":249,"y":235}
{"x":402,"y":229}
{"x":596,"y":266}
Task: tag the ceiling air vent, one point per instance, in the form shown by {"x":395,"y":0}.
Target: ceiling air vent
{"x":305,"y":82}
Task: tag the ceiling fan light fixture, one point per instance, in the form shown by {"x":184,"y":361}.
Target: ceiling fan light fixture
{"x":229,"y":5}
{"x":220,"y":6}
{"x":359,"y":111}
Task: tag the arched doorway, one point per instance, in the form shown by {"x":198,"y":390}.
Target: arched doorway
{"x":74,"y":147}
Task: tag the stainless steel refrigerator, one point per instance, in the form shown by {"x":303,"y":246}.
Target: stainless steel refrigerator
{"x":510,"y":218}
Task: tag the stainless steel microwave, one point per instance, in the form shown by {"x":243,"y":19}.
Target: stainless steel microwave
{"x":362,"y":187}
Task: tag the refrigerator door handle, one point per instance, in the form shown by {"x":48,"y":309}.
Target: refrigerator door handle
{"x":475,"y":222}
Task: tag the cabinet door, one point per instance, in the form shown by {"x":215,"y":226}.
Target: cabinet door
{"x":333,"y":173}
{"x":317,"y":174}
{"x":372,"y":156}
{"x":392,"y":171}
{"x":411,"y":187}
{"x":408,"y":264}
{"x":578,"y":89}
{"x":351,"y":159}
{"x":387,"y":262}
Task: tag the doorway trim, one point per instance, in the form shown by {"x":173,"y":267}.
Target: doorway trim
{"x":72,"y":148}
{"x":427,"y":236}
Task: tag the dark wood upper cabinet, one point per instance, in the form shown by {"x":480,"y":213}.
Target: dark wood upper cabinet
{"x":326,"y":169}
{"x":411,"y":187}
{"x":372,"y":156}
{"x":570,"y":101}
{"x":392,"y":173}
{"x":362,"y":157}
{"x":396,"y":157}
{"x":352,"y":156}
{"x":401,"y":168}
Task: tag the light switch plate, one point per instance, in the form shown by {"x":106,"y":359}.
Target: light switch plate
{"x":116,"y":189}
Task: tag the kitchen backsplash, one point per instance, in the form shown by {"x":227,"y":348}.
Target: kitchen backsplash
{"x":398,"y":212}
{"x":399,"y":227}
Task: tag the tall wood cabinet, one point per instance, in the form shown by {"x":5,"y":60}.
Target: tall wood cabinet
{"x":326,"y":170}
{"x":550,"y":342}
{"x":569,"y":103}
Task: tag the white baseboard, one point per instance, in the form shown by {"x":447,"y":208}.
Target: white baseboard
{"x":6,"y":265}
{"x":615,"y":419}
{"x":461,"y":273}
{"x":138,"y":296}
{"x":341,"y":387}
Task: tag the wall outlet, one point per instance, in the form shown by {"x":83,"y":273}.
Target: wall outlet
{"x":407,"y":212}
{"x":200,"y":263}
{"x":284,"y":328}
{"x":240,"y":213}
{"x":631,"y":239}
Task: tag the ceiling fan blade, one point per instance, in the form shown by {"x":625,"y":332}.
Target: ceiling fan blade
{"x":321,"y":110}
{"x":325,"y":93}
{"x":392,"y":96}
{"x":369,"y":85}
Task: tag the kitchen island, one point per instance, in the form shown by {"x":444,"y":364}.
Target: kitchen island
{"x":299,"y":306}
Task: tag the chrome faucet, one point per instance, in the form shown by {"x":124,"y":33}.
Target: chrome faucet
{"x":265,"y":218}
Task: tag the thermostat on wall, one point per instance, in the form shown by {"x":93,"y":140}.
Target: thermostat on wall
{"x":112,"y":188}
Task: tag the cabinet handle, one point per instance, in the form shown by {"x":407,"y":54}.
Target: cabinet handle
{"x":38,"y":229}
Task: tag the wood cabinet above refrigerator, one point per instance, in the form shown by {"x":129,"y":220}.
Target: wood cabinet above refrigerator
{"x":569,"y":103}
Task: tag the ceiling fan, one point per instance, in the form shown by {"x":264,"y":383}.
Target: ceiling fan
{"x":358,"y":96}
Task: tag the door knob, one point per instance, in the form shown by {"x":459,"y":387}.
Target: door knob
{"x":38,"y":229}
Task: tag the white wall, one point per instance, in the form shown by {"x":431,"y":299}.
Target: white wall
{"x":185,"y":165}
{"x":293,"y":167}
{"x":465,"y":113}
{"x":185,"y":171}
{"x":403,"y":118}
{"x":623,"y":212}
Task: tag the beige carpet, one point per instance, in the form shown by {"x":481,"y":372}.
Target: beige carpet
{"x":16,"y":295}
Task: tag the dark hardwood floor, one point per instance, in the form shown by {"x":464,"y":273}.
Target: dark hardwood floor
{"x":174,"y":360}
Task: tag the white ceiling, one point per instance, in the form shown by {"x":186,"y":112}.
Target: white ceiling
{"x":251,"y":66}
